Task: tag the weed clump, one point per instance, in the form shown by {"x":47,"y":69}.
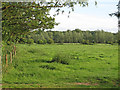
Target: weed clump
{"x":61,"y":58}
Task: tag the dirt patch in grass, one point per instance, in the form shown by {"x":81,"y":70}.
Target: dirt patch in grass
{"x":87,"y":84}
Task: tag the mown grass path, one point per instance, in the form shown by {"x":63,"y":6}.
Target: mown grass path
{"x":89,"y":66}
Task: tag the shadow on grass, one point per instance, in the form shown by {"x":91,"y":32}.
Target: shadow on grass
{"x":48,"y":67}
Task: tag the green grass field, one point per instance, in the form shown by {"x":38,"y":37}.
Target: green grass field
{"x":63,"y":66}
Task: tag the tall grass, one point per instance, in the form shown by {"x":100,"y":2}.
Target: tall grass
{"x":61,"y":58}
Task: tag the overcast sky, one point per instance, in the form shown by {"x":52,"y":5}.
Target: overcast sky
{"x":89,"y":18}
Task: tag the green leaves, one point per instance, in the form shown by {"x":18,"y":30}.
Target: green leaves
{"x":20,"y":18}
{"x":95,"y":2}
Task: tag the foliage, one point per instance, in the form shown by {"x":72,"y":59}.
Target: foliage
{"x":23,"y":40}
{"x":61,"y":58}
{"x":50,"y":41}
{"x":18,"y":19}
{"x":117,"y":14}
{"x":30,"y":41}
{"x":75,"y":36}
{"x":40,"y":42}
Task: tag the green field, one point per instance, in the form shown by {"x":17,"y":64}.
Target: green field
{"x":67,"y":65}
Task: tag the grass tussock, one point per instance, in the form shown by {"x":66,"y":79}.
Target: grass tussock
{"x":61,"y":58}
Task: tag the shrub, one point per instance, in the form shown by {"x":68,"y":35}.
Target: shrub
{"x":23,"y":40}
{"x":44,"y":41}
{"x":109,"y":42}
{"x":8,"y":42}
{"x":85,"y":42}
{"x":30,"y":41}
{"x":61,"y":58}
{"x":50,"y":41}
{"x":40,"y":42}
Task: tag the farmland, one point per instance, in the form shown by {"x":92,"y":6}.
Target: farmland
{"x":62,"y":66}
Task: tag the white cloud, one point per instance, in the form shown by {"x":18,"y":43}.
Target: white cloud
{"x":90,"y":18}
{"x":85,"y":22}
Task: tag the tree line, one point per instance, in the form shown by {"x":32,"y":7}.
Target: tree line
{"x":74,"y":36}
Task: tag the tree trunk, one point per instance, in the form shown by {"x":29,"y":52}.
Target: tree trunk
{"x":13,"y":53}
{"x":0,"y":60}
{"x":6,"y":60}
{"x":10,"y":57}
{"x":14,"y":50}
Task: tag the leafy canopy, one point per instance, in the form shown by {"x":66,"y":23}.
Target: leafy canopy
{"x":19,"y":18}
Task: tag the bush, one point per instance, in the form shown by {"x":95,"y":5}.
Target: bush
{"x":85,"y":42}
{"x":30,"y":41}
{"x":23,"y":40}
{"x":8,"y":42}
{"x":44,"y":41}
{"x":50,"y":41}
{"x":109,"y":42}
{"x":61,"y":58}
{"x":40,"y":42}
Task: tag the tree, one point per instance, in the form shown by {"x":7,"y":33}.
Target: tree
{"x":80,"y":37}
{"x":75,"y":37}
{"x":117,"y":14}
{"x":21,"y":17}
{"x":56,"y":36}
{"x":50,"y":34}
{"x":18,"y":21}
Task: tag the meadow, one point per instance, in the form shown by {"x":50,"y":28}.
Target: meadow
{"x":63,"y":66}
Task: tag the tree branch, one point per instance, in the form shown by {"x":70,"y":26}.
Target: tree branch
{"x":4,"y":8}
